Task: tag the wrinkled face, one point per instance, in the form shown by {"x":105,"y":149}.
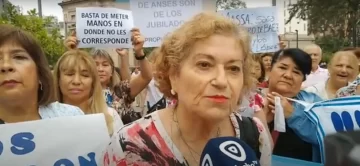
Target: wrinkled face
{"x":342,"y":70}
{"x":315,"y":54}
{"x":256,"y":70}
{"x":104,"y":69}
{"x":75,"y":84}
{"x":18,"y":73}
{"x":211,"y":78}
{"x":266,"y":60}
{"x":285,"y":77}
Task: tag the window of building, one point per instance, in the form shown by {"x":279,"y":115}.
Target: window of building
{"x":284,"y":13}
{"x":285,"y":4}
{"x":290,"y":29}
{"x":65,"y":16}
{"x":72,"y":17}
{"x":285,"y":30}
{"x":304,"y":27}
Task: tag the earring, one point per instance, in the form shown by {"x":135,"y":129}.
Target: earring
{"x":172,"y":92}
{"x":41,"y":88}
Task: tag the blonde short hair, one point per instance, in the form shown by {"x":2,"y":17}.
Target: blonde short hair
{"x":73,"y":59}
{"x":115,"y":78}
{"x":352,"y":57}
{"x":177,"y":45}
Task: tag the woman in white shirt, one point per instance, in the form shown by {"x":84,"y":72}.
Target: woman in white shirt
{"x":343,"y":68}
{"x":26,"y":82}
{"x":77,"y":83}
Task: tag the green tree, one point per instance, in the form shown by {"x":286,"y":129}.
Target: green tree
{"x":328,"y":17}
{"x":230,"y":4}
{"x":330,"y":45}
{"x":50,"y":39}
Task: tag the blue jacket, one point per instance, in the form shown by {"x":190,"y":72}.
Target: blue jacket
{"x":302,"y":125}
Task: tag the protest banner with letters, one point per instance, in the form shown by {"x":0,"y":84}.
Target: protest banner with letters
{"x":336,"y":115}
{"x":104,"y":27}
{"x":156,"y":18}
{"x":64,"y":141}
{"x":261,"y":23}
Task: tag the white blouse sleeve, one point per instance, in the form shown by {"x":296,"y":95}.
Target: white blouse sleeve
{"x":117,"y":124}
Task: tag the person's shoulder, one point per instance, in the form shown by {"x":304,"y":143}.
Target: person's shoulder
{"x":316,"y":88}
{"x":111,"y":111}
{"x":57,"y":109}
{"x":260,"y":126}
{"x":323,"y":70}
{"x":308,"y":96}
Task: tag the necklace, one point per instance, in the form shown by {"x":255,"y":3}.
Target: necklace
{"x":191,"y":150}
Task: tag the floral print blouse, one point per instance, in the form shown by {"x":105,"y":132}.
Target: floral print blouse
{"x":120,"y":99}
{"x":251,"y":103}
{"x":349,"y":90}
{"x":147,"y":143}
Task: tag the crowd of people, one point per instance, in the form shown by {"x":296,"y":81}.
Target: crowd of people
{"x":203,"y":82}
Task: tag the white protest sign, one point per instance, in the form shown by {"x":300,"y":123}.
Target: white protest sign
{"x":65,"y":141}
{"x":262,"y":24}
{"x":156,"y":18}
{"x":104,"y":27}
{"x":336,"y":115}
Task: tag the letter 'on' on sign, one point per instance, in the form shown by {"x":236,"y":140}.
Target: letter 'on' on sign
{"x":64,"y":162}
{"x":22,"y":143}
{"x":1,"y":148}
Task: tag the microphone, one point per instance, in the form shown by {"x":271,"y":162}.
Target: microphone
{"x":228,"y":151}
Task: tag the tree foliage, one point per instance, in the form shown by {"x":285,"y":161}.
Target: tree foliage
{"x":50,"y":39}
{"x":327,"y":17}
{"x":330,"y":45}
{"x":230,"y":4}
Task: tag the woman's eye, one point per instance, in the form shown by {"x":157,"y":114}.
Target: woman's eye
{"x":297,"y":72}
{"x":69,"y":74}
{"x":20,"y":57}
{"x":234,"y":68}
{"x":204,"y":64}
{"x":282,"y":67}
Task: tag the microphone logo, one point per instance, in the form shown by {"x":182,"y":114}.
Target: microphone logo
{"x":207,"y":161}
{"x":233,"y":150}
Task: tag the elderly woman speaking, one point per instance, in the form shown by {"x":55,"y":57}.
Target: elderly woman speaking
{"x":204,"y":66}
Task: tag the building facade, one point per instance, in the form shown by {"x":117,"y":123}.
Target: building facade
{"x":294,"y":33}
{"x":2,"y":5}
{"x":69,"y":11}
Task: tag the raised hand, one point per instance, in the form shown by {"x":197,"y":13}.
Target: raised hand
{"x":71,"y":41}
{"x":138,"y":42}
{"x":122,"y":52}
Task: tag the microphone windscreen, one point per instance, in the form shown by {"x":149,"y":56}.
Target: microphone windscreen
{"x":228,"y":151}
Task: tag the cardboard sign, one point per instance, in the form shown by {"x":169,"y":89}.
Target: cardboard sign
{"x":261,"y":23}
{"x":104,"y":27}
{"x":64,"y":141}
{"x":336,"y":115}
{"x":156,"y":18}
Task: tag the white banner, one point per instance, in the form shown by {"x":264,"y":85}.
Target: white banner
{"x":262,"y":24}
{"x":104,"y":27}
{"x":331,"y":116}
{"x":156,"y":18}
{"x":65,"y":141}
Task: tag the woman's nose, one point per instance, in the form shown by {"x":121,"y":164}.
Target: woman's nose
{"x":6,"y":67}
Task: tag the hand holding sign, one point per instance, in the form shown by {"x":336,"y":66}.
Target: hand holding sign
{"x":71,"y":41}
{"x":138,"y":42}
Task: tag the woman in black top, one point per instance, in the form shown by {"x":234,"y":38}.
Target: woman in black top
{"x":289,"y":68}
